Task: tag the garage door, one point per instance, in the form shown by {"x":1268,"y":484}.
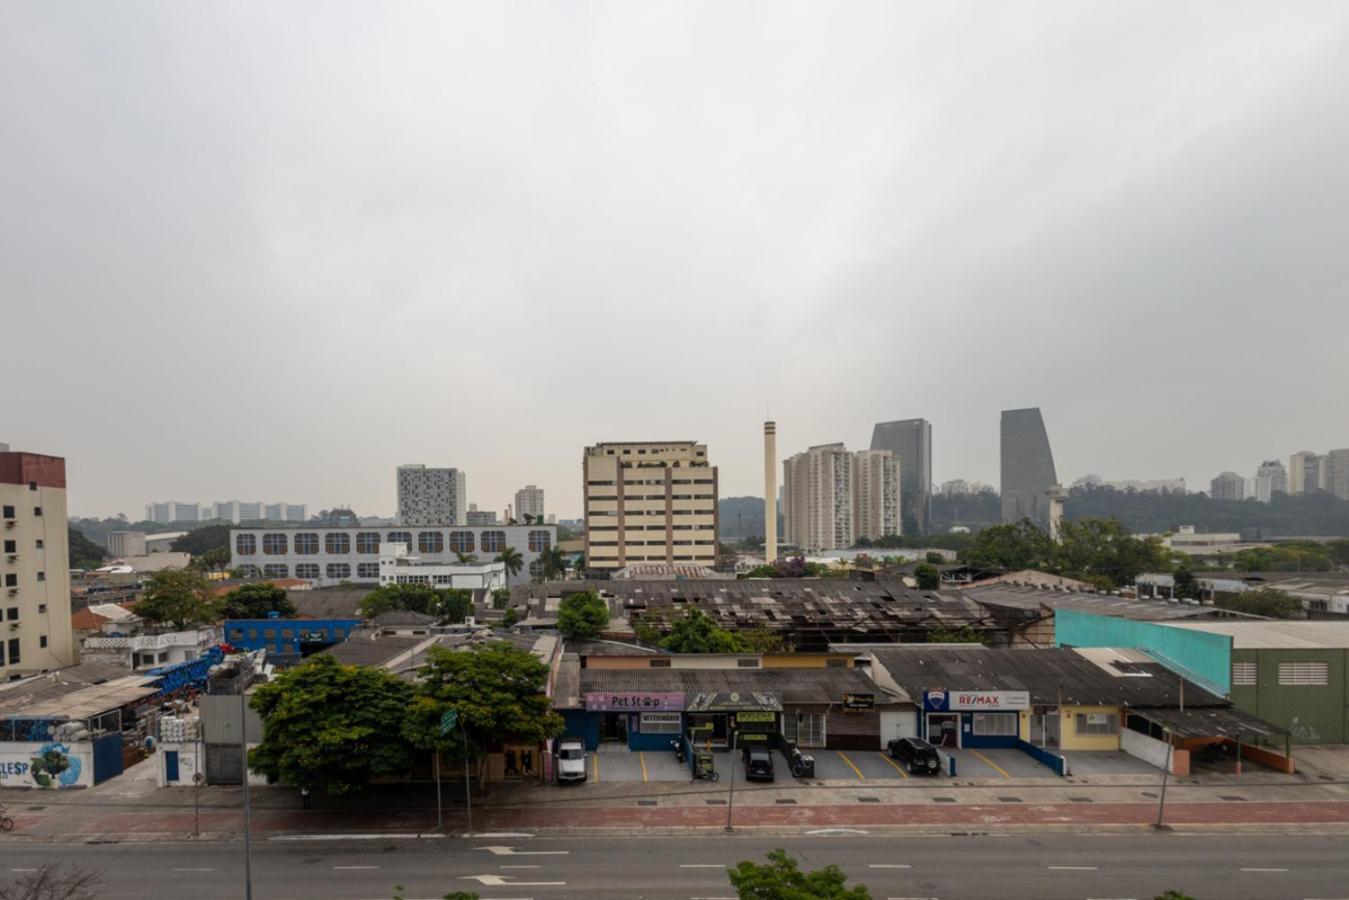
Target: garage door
{"x":896,"y":724}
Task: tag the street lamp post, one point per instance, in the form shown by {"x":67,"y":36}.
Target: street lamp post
{"x":730,"y":807}
{"x":248,"y":808}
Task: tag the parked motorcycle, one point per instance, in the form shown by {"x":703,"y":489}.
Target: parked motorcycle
{"x":678,"y":749}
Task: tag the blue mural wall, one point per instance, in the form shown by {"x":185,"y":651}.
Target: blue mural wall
{"x":1199,"y":655}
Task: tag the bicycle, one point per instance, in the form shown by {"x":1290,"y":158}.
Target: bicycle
{"x":6,"y":823}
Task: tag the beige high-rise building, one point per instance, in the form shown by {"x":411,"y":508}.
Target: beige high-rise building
{"x":529,"y":502}
{"x":831,"y":497}
{"x":649,"y":502}
{"x":1337,"y":473}
{"x":34,"y":566}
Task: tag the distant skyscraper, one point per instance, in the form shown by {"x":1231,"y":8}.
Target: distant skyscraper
{"x":432,"y":496}
{"x":1227,"y":486}
{"x":1027,"y":467}
{"x":529,"y":502}
{"x":1270,"y":479}
{"x":910,"y":440}
{"x":1306,"y":472}
{"x":1337,"y":473}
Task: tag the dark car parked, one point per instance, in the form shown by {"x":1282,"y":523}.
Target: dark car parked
{"x":918,"y":756}
{"x":758,"y":765}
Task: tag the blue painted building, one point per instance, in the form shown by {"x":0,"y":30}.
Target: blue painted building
{"x":288,"y":638}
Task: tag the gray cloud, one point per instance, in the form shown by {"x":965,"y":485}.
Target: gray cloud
{"x":272,"y":250}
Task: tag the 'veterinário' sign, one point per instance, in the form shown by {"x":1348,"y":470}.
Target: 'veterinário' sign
{"x":946,"y":701}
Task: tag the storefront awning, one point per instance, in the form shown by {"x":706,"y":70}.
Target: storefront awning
{"x":734,"y":701}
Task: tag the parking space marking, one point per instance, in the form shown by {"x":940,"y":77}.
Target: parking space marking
{"x":595,"y":767}
{"x":888,"y":866}
{"x":885,"y":756}
{"x":641,"y":757}
{"x":1264,"y":870}
{"x":1072,"y":868}
{"x":860,"y":776}
{"x":999,"y":768}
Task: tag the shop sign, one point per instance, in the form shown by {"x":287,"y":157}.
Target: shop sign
{"x":768,"y":717}
{"x":944,"y":701}
{"x":859,"y":702}
{"x":635,"y":701}
{"x":734,"y":701}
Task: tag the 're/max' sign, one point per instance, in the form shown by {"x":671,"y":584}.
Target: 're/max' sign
{"x":944,"y":701}
{"x":635,"y":701}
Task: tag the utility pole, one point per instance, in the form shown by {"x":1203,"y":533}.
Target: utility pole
{"x":468,"y":788}
{"x":248,"y":807}
{"x":730,"y":807}
{"x":440,"y":809}
{"x":1161,"y":801}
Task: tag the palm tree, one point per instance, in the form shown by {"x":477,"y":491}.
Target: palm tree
{"x":553,"y":562}
{"x":466,"y":559}
{"x":513,"y":560}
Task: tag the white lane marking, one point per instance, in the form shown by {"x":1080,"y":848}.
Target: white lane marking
{"x":500,"y":834}
{"x":888,"y":866}
{"x":910,"y":898}
{"x":196,"y":869}
{"x":1263,"y":870}
{"x":520,"y":867}
{"x":499,"y":880}
{"x":1072,"y":868}
{"x":498,"y":850}
{"x":821,"y":832}
{"x":353,"y":868}
{"x":355,"y":837}
{"x":702,"y":865}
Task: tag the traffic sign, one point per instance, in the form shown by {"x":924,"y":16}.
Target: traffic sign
{"x":448,"y":721}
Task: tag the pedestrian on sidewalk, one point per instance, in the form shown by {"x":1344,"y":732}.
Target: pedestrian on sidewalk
{"x":305,"y":799}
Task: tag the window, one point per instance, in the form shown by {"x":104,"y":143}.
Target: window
{"x":995,"y":724}
{"x":11,"y":580}
{"x":11,"y":546}
{"x":430,"y":542}
{"x":807,"y":729}
{"x":274,"y":544}
{"x":461,"y":542}
{"x":1243,"y":674}
{"x":660,"y":723}
{"x":32,"y":485}
{"x":307,"y":570}
{"x":306,"y":543}
{"x":39,"y":543}
{"x":42,"y":607}
{"x":747,"y":664}
{"x":249,"y":570}
{"x":367,"y":570}
{"x":367,"y":542}
{"x":276,"y":570}
{"x":13,"y":651}
{"x":42,"y":641}
{"x":37,"y":510}
{"x":658,"y":663}
{"x":12,"y":613}
{"x":337,"y":544}
{"x":1097,"y":723}
{"x":1304,"y":672}
{"x":493,"y":541}
{"x":8,"y":512}
{"x":339,"y":570}
{"x":41,"y":576}
{"x":246,"y":544}
{"x":539,"y":541}
{"x":401,"y":537}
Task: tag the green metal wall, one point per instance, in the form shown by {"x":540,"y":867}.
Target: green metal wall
{"x":1315,"y":714}
{"x":1203,"y":657}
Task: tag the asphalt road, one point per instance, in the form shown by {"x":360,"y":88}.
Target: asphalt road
{"x":1208,"y":867}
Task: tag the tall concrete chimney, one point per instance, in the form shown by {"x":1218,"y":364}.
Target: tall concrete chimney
{"x":770,"y":491}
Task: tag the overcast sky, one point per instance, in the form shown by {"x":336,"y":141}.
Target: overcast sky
{"x":272,"y":250}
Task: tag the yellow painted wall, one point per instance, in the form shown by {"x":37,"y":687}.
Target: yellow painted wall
{"x":804,"y":660}
{"x":1069,"y":739}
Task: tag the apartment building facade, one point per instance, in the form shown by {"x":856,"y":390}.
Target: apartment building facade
{"x":36,"y":634}
{"x":529,"y":502}
{"x":1228,"y":486}
{"x":432,"y":496}
{"x":831,"y":497}
{"x":649,"y":501}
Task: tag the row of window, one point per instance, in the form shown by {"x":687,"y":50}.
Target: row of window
{"x":12,"y":546}
{"x":335,"y":571}
{"x":9,"y":513}
{"x":1295,"y":673}
{"x":307,"y":543}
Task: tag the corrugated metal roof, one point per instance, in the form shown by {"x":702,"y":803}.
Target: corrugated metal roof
{"x":17,"y":695}
{"x":795,"y":686}
{"x":1276,"y":634}
{"x":1227,"y":721}
{"x":1101,"y":604}
{"x":92,"y":700}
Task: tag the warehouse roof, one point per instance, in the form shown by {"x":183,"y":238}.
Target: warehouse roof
{"x":1275,"y":634}
{"x":1210,"y":721}
{"x":91,"y":699}
{"x":794,"y":686}
{"x":362,"y":650}
{"x":1034,"y":598}
{"x":1052,"y":676}
{"x":16,"y":695}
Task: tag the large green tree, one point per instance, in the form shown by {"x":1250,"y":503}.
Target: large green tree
{"x":255,"y":601}
{"x":782,"y":879}
{"x":496,"y":690}
{"x":582,"y":615}
{"x":84,"y":553}
{"x":1263,"y":602}
{"x":1103,"y":550}
{"x":1018,"y":546}
{"x":199,"y":541}
{"x":927,"y":577}
{"x":332,"y":727}
{"x":177,"y":598}
{"x":696,"y":633}
{"x":418,"y":598}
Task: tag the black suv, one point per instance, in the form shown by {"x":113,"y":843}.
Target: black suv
{"x":918,"y":756}
{"x":758,"y":765}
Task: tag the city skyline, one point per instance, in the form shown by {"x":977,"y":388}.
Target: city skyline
{"x":950,"y":213}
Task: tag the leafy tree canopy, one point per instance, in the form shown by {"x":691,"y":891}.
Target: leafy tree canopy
{"x":497,"y":690}
{"x":418,"y":598}
{"x":255,"y":601}
{"x":513,"y":560}
{"x":177,"y":598}
{"x":582,"y":615}
{"x":331,"y":727}
{"x":1263,"y":602}
{"x":84,"y":553}
{"x":1294,"y":556}
{"x":202,"y":540}
{"x":782,"y":879}
{"x":1098,"y":550}
{"x":696,"y":633}
{"x":927,"y":576}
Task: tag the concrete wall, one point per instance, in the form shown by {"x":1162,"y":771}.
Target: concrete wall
{"x":1148,"y":749}
{"x":17,"y":765}
{"x":1315,"y":714}
{"x":1204,"y":656}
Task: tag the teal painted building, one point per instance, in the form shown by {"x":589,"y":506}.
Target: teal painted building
{"x":1204,"y":658}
